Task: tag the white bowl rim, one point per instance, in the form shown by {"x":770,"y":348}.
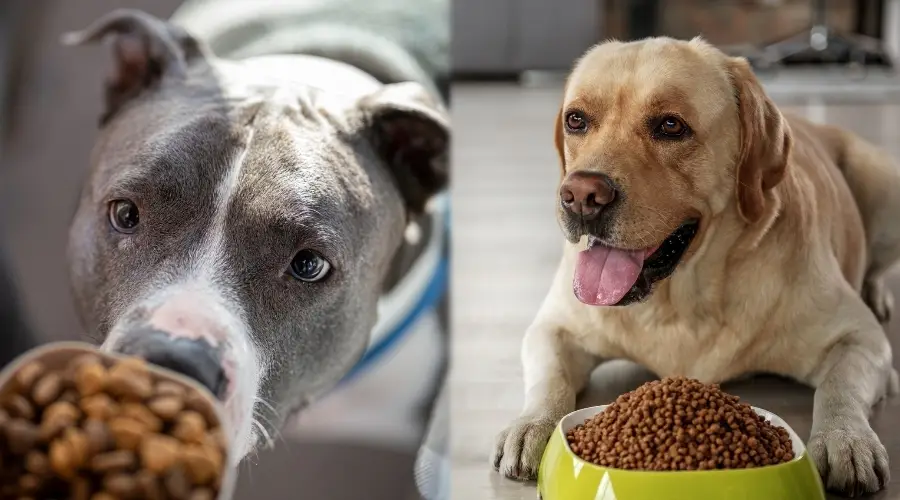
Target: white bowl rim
{"x":579,"y":416}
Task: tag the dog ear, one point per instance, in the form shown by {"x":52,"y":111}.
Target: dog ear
{"x":765,"y":142}
{"x":145,"y":50}
{"x":559,"y":140}
{"x":410,"y":131}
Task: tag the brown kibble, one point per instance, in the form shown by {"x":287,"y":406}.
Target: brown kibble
{"x":90,"y":378}
{"x":78,"y":445}
{"x":213,"y":441}
{"x":133,"y":364}
{"x":190,"y":427}
{"x":99,"y":407}
{"x":169,"y":388}
{"x":679,"y":424}
{"x":21,"y":436}
{"x":61,"y":411}
{"x":121,"y":485}
{"x":51,"y":429}
{"x":80,"y":489}
{"x":69,"y":396}
{"x":143,"y":415}
{"x":26,"y":376}
{"x":62,"y":458}
{"x":82,"y":359}
{"x":198,"y":402}
{"x":130,"y":388}
{"x":29,"y":483}
{"x":177,"y":484}
{"x":57,"y":417}
{"x":159,"y":452}
{"x":166,"y":407}
{"x":202,"y":494}
{"x":114,"y":461}
{"x":150,"y":485}
{"x":129,"y":379}
{"x":219,"y":435}
{"x":127,"y":432}
{"x":47,"y":389}
{"x":37,"y":463}
{"x":99,"y":436}
{"x":201,"y":463}
{"x":18,"y":406}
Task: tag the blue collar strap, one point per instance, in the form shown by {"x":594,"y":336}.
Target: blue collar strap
{"x":434,"y":267}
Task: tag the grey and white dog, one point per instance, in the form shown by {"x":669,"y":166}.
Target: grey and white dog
{"x":246,"y":211}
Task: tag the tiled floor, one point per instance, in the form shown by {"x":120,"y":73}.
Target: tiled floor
{"x":506,"y":247}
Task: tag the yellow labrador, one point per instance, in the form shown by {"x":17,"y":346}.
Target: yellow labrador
{"x":711,"y":236}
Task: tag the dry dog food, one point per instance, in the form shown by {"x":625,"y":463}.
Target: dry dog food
{"x":97,"y":430}
{"x":679,"y":424}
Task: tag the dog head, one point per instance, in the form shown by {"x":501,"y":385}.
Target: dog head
{"x":238,"y":228}
{"x":656,"y":138}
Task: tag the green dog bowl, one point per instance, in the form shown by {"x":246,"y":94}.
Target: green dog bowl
{"x":565,"y":476}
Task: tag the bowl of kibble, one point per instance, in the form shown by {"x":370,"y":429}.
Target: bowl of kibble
{"x":676,"y":439}
{"x":81,"y":424}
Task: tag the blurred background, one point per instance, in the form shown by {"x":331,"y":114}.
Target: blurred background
{"x":50,"y":100}
{"x":832,"y":61}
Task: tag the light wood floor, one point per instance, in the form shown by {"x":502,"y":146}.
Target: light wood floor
{"x":506,"y":247}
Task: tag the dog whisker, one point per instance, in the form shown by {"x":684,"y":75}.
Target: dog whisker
{"x":265,"y":434}
{"x":266,"y":404}
{"x":262,"y":418}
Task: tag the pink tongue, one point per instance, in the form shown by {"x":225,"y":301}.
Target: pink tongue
{"x":604,"y":275}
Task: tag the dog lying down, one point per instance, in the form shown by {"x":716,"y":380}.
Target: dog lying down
{"x":711,"y":236}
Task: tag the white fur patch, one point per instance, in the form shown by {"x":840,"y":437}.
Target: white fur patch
{"x":243,"y":364}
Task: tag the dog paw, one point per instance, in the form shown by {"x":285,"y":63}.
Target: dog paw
{"x":879,"y":299}
{"x":851,"y":460}
{"x":518,"y":451}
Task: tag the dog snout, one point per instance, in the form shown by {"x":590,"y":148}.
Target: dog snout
{"x":586,"y":193}
{"x":193,"y":357}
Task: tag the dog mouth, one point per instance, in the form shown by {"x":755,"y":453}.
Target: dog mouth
{"x":609,"y":276}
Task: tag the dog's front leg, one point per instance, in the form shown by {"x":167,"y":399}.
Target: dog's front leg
{"x":555,"y":371}
{"x":855,"y":374}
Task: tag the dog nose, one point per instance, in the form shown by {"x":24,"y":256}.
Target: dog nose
{"x":586,"y":193}
{"x":194,"y":358}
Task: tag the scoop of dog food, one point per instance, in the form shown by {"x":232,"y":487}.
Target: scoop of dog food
{"x":94,"y":428}
{"x":679,"y":424}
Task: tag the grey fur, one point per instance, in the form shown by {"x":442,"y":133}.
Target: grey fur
{"x":322,"y":168}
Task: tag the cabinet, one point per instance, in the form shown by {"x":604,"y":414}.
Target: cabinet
{"x":506,"y":37}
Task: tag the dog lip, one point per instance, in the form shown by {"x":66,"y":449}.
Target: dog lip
{"x":594,"y":240}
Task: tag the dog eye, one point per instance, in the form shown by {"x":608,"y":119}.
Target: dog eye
{"x":309,"y":266}
{"x":575,"y":122}
{"x":124,"y":216}
{"x":670,"y":127}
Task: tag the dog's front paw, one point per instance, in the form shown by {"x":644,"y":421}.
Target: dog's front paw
{"x":879,"y":298}
{"x":850,"y":459}
{"x":518,"y":451}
